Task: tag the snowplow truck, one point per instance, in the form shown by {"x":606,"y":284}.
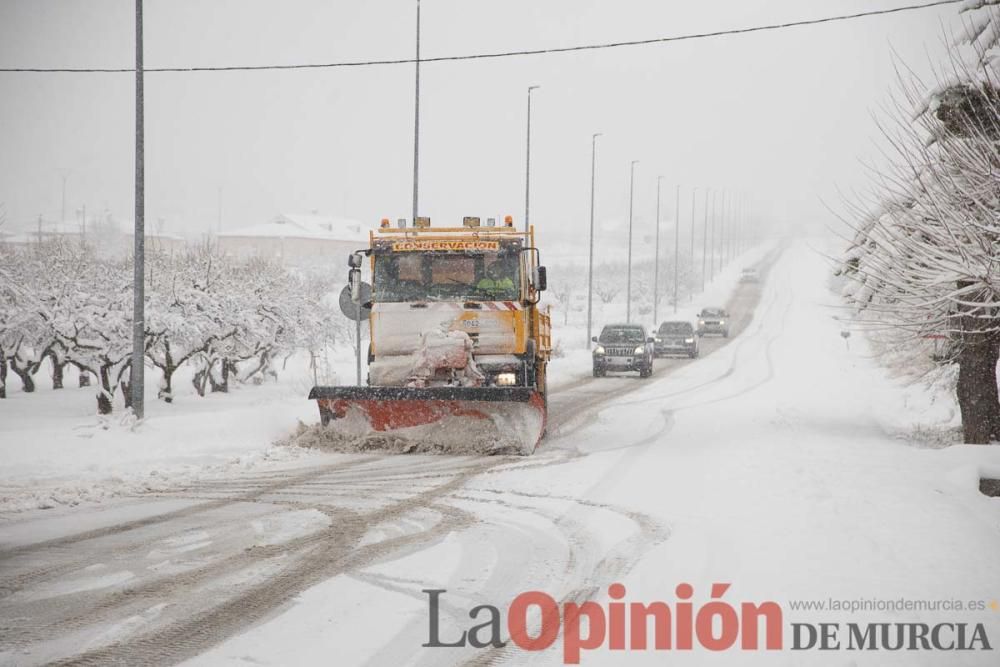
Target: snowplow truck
{"x":459,"y":344}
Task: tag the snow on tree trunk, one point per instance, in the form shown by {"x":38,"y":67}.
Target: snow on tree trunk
{"x":165,"y":391}
{"x":218,"y":376}
{"x":977,"y":391}
{"x":23,"y":372}
{"x":105,"y":393}
{"x":126,"y":388}
{"x":200,"y":379}
{"x":977,"y":376}
{"x":58,"y":368}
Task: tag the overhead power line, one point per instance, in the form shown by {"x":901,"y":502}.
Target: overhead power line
{"x":501,"y":54}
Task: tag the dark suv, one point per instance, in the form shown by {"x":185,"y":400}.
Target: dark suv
{"x":677,"y":337}
{"x":623,"y":347}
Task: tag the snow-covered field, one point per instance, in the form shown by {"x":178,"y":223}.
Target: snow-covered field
{"x":784,"y":463}
{"x":56,"y":451}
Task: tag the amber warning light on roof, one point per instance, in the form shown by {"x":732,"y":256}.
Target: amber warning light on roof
{"x":404,"y":246}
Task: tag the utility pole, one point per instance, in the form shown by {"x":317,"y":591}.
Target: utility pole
{"x":219,"y":221}
{"x":704,"y":241}
{"x":628,"y":279}
{"x":527,"y":163}
{"x":138,"y":288}
{"x":677,"y":242}
{"x":590,"y":270}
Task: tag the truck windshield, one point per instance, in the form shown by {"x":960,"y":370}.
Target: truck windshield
{"x":447,"y":276}
{"x":622,"y":335}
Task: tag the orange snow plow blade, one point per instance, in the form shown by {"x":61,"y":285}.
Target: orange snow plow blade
{"x":459,"y":420}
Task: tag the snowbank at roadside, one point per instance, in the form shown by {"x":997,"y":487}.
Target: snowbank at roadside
{"x":55,"y":451}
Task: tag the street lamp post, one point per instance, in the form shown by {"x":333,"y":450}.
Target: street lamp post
{"x":732,"y":229}
{"x":656,"y":260}
{"x":628,"y":278}
{"x":711,"y":243}
{"x":416,"y":122}
{"x":693,"y":191}
{"x":527,"y":163}
{"x":64,"y":174}
{"x":677,"y":242}
{"x":704,"y":242}
{"x":722,"y":231}
{"x":590,"y":270}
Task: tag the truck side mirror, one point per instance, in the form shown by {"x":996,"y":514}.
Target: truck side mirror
{"x":354,"y":280}
{"x":354,"y":260}
{"x":540,"y":279}
{"x":593,"y":339}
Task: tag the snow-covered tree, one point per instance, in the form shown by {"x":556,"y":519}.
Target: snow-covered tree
{"x":926,"y":261}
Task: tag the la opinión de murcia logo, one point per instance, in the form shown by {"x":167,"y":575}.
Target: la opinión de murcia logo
{"x":535,"y":621}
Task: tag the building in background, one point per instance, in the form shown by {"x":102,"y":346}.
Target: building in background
{"x":297,"y":239}
{"x":108,"y":236}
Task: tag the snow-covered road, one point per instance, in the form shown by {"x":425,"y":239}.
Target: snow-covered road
{"x":771,"y":464}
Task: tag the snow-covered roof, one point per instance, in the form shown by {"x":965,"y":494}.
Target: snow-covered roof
{"x":304,"y":226}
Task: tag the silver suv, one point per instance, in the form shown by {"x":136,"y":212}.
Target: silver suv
{"x":713,"y":321}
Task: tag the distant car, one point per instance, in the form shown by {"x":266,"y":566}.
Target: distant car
{"x":622,"y":348}
{"x":676,"y":338}
{"x":713,"y":321}
{"x":749,"y":275}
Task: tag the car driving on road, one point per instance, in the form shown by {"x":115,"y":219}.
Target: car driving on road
{"x":749,"y":275}
{"x":676,"y":338}
{"x":713,"y":321}
{"x":624,"y":347}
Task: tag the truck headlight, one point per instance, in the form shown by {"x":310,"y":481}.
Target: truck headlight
{"x":506,"y":379}
{"x":639,"y":350}
{"x":689,"y":340}
{"x":722,"y":321}
{"x":599,"y":350}
{"x":701,"y":322}
{"x":659,"y":340}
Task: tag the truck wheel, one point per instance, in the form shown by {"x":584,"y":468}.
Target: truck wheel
{"x":599,"y":372}
{"x":646,"y":372}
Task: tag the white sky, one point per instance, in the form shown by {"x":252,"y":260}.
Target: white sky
{"x":784,"y":117}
